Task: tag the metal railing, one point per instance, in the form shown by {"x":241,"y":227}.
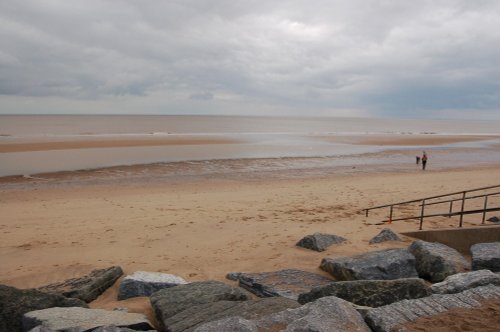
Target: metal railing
{"x":424,"y":202}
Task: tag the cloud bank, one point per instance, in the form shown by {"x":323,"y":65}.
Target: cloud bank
{"x":351,"y":58}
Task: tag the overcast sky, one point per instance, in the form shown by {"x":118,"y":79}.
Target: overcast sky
{"x":438,"y":59}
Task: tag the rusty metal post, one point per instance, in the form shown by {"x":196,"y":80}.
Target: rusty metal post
{"x":390,"y":214}
{"x":451,"y":209}
{"x":366,"y":212}
{"x":484,"y":208}
{"x":462,"y":209}
{"x":422,"y":214}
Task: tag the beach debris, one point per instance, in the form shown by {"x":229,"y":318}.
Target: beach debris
{"x":436,"y":261}
{"x":320,"y":241}
{"x":14,"y":303}
{"x":385,"y":264}
{"x":288,"y":283}
{"x":392,"y":317}
{"x":462,"y":281}
{"x":494,"y":219}
{"x":234,"y":276}
{"x":486,"y":256}
{"x":184,"y":307}
{"x":328,"y":314}
{"x":142,"y":283}
{"x":372,"y":293}
{"x":83,"y":319}
{"x":88,"y":287}
{"x":385,"y":235}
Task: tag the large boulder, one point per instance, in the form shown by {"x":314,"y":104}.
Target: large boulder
{"x":86,"y":288}
{"x":146,"y":283}
{"x":286,"y":283}
{"x":462,"y":281}
{"x":378,"y":265}
{"x":320,"y":241}
{"x":169,"y":302}
{"x":393,"y":316}
{"x":385,"y":235}
{"x":81,"y":319}
{"x":14,"y":303}
{"x":372,"y":293}
{"x":328,"y":314}
{"x":486,"y":256}
{"x":194,"y":316}
{"x":435,"y":261}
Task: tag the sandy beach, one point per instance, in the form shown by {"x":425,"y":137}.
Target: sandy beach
{"x":202,"y":227}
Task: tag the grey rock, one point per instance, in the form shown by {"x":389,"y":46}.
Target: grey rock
{"x":435,"y":261}
{"x":41,"y":329}
{"x":461,"y":281}
{"x":486,"y":256}
{"x":286,"y":283}
{"x":372,"y":293}
{"x":494,"y":219}
{"x":81,"y":319}
{"x":378,"y":265}
{"x":391,"y":317}
{"x":385,"y":235}
{"x":328,"y":314}
{"x":14,"y":303}
{"x":172,"y":301}
{"x":231,"y":324}
{"x":320,"y":241}
{"x":114,"y":328}
{"x":86,"y":288}
{"x":146,"y":283}
{"x":234,"y":276}
{"x":194,"y":316}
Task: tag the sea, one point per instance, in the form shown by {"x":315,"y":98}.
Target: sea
{"x":268,"y":142}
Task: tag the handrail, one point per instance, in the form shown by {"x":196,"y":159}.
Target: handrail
{"x":431,"y":197}
{"x":459,"y":199}
{"x":461,"y":213}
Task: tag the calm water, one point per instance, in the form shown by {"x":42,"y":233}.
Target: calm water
{"x":260,"y":138}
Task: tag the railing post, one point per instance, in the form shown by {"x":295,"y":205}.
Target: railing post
{"x":484,"y":208}
{"x":462,"y":209}
{"x":451,"y":209}
{"x":422,"y":214}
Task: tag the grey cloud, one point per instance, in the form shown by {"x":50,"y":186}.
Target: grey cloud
{"x":382,"y":57}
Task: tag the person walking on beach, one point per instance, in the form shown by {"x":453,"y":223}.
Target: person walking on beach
{"x":418,"y":159}
{"x":424,"y":160}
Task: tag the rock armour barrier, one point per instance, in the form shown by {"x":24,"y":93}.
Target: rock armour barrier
{"x":390,"y":317}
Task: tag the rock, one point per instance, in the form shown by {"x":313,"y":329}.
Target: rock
{"x":372,"y":293}
{"x":286,"y":283}
{"x":231,"y":324}
{"x":114,"y":328}
{"x":234,"y":276}
{"x":494,"y":219}
{"x":461,"y":281}
{"x":435,"y":261}
{"x":385,"y":235}
{"x":172,"y":301}
{"x":328,"y":314}
{"x":81,"y":319}
{"x":378,"y":265}
{"x":194,"y":316}
{"x":14,"y":303}
{"x":146,"y":283}
{"x":86,"y":288}
{"x":389,"y":317}
{"x":486,"y":256}
{"x":320,"y":241}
